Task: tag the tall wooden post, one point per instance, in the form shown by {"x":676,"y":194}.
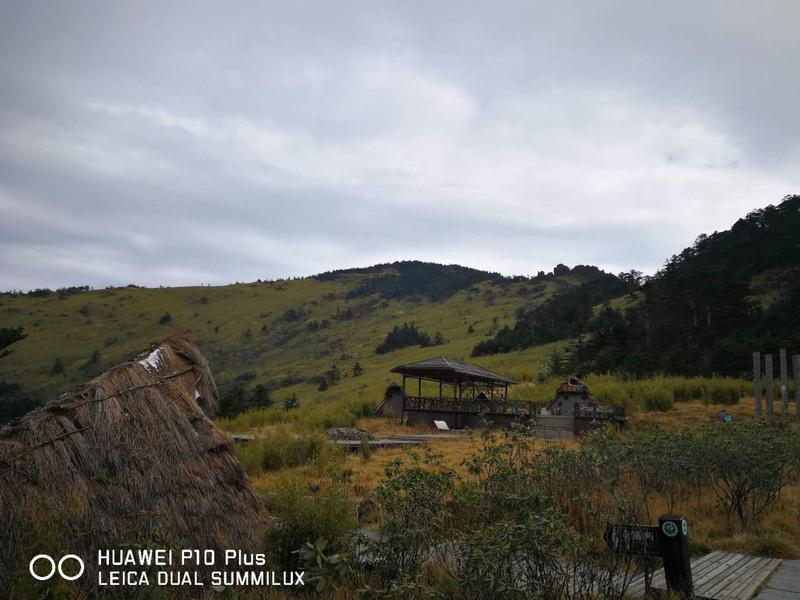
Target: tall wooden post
{"x":403,"y":410}
{"x":768,"y":383}
{"x":784,"y":384}
{"x":796,"y":363}
{"x":757,"y":383}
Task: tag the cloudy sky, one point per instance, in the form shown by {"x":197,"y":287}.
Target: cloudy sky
{"x":209,"y":142}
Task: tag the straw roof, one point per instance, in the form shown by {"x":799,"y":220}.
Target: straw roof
{"x":126,"y":457}
{"x":440,"y":368}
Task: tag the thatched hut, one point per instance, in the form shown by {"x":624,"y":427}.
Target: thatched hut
{"x":127,"y":457}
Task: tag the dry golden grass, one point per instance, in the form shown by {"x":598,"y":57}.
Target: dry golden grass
{"x":690,"y":414}
{"x":367,"y":474}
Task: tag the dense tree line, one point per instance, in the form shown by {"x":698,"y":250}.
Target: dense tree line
{"x":564,"y":316}
{"x":407,"y":335}
{"x":413,"y":278}
{"x":14,"y":400}
{"x":703,"y":313}
{"x":710,"y":306}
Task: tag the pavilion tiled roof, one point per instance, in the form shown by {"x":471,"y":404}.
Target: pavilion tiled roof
{"x":450,"y":369}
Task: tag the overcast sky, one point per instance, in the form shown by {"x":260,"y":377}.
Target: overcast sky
{"x":209,"y":142}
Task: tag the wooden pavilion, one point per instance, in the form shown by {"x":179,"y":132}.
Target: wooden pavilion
{"x":467,"y":395}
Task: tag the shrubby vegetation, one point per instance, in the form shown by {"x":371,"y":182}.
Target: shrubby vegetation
{"x":519,"y":521}
{"x":280,"y":451}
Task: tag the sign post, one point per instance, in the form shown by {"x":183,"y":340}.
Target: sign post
{"x":673,"y":539}
{"x":638,"y":540}
{"x":670,"y":540}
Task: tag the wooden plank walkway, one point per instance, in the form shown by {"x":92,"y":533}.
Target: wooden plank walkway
{"x":243,"y":438}
{"x":784,"y":583}
{"x":430,"y":437}
{"x":720,"y":575}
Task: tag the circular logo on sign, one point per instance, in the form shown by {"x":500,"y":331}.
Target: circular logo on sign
{"x":685,"y":527}
{"x":670,"y":529}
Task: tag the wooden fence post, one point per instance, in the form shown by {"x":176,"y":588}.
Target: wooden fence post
{"x":796,"y":361}
{"x":757,"y":382}
{"x":784,"y":384}
{"x":769,"y":385}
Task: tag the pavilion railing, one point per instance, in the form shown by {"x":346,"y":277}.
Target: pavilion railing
{"x":469,"y":405}
{"x":601,"y":412}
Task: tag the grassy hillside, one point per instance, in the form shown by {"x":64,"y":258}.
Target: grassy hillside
{"x":284,"y":334}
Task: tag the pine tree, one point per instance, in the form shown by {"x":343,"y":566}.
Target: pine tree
{"x":58,"y":367}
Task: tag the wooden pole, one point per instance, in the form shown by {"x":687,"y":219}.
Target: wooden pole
{"x":757,"y":383}
{"x":403,"y":410}
{"x":419,"y":387}
{"x":784,"y":384}
{"x":768,"y":382}
{"x":796,"y":363}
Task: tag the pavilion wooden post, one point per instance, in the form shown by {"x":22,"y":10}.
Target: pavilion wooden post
{"x":796,"y":363}
{"x":768,"y":382}
{"x":757,"y":383}
{"x":403,"y":409}
{"x":784,"y":385}
{"x":455,"y":400}
{"x":419,"y":387}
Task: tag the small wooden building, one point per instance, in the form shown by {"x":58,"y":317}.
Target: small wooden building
{"x":573,"y":400}
{"x":569,"y":395}
{"x":467,"y":395}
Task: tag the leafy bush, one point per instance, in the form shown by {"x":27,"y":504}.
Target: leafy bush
{"x":304,"y":513}
{"x":749,"y":463}
{"x":280,"y":451}
{"x":658,"y":399}
{"x":724,"y":393}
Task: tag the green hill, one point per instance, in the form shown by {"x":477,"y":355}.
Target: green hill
{"x":284,"y":335}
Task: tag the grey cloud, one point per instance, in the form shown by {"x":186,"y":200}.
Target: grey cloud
{"x":179,"y":143}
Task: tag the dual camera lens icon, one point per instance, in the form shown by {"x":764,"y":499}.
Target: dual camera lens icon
{"x":53,"y":567}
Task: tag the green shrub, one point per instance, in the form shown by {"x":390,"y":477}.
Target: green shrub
{"x":366,"y":448}
{"x":697,"y":389}
{"x":748,"y":464}
{"x":305,"y":514}
{"x":251,"y":457}
{"x":281,"y":451}
{"x":774,"y":543}
{"x":657,"y":399}
{"x":681,"y":393}
{"x":722,"y":393}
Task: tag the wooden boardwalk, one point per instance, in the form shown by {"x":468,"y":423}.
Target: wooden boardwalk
{"x":720,"y":576}
{"x":243,"y":438}
{"x":430,"y":437}
{"x":784,"y":584}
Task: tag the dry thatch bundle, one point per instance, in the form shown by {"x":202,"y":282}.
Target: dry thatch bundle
{"x":127,"y":457}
